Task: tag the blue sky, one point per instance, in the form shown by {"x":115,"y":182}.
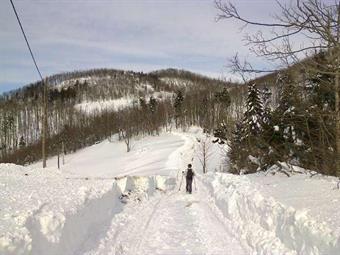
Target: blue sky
{"x":141,"y":35}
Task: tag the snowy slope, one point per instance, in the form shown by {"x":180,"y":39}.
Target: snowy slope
{"x":84,"y":209}
{"x":148,"y":156}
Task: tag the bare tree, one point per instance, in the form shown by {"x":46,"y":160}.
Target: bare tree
{"x":204,"y":151}
{"x":312,"y":22}
{"x":126,"y":135}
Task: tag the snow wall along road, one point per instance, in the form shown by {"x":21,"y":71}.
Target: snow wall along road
{"x":268,"y":227}
{"x":56,"y":231}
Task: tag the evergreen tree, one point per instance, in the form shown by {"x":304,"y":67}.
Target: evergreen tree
{"x":252,"y":121}
{"x":152,"y":104}
{"x":221,"y":134}
{"x":245,"y":145}
{"x":178,"y":105}
{"x":266,"y":101}
{"x":223,"y":97}
{"x":237,"y":153}
{"x":320,"y":107}
{"x":221,"y":103}
{"x":288,"y":122}
{"x":22,"y":142}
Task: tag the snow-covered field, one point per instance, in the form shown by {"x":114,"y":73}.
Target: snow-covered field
{"x":107,"y":201}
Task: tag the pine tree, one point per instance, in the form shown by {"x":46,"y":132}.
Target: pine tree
{"x":221,"y":134}
{"x":246,"y":140}
{"x":178,"y":104}
{"x":223,"y":97}
{"x":288,"y":122}
{"x":221,"y":103}
{"x":22,"y":142}
{"x":266,"y":101}
{"x":237,"y":154}
{"x":251,"y":123}
{"x":320,"y":104}
{"x":267,"y":130}
{"x":152,"y":104}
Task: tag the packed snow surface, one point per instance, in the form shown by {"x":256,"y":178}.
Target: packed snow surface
{"x":104,"y":200}
{"x":174,"y":223}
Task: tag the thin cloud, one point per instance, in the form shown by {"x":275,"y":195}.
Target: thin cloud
{"x":73,"y":35}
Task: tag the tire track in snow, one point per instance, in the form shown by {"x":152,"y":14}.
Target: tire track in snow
{"x":222,"y":233}
{"x":127,"y":240}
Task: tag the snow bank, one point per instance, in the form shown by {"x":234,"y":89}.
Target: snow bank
{"x":268,"y":226}
{"x":41,"y":212}
{"x":145,"y":184}
{"x":64,"y":232}
{"x":304,"y":190}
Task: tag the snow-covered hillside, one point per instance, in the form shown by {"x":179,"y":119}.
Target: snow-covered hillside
{"x":114,"y":105}
{"x":104,"y":200}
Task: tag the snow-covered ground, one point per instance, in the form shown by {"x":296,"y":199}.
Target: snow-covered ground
{"x":35,"y":205}
{"x":93,"y":206}
{"x":317,"y":196}
{"x":149,"y":156}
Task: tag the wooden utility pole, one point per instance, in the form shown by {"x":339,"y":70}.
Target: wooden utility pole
{"x":63,"y":151}
{"x":337,"y":96}
{"x":44,"y":123}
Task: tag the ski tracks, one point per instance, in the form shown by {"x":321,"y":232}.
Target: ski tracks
{"x":172,"y":223}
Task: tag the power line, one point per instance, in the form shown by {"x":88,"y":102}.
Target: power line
{"x":44,"y":117}
{"x":28,"y":45}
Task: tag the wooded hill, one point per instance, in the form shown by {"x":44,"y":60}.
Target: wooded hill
{"x":85,"y":107}
{"x":286,"y":116}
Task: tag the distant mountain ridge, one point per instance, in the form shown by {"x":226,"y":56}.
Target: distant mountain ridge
{"x":87,"y":106}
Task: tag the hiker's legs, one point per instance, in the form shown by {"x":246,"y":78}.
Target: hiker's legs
{"x":190,"y":185}
{"x":187,"y":185}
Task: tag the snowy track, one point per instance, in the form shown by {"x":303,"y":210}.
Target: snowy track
{"x":172,"y":223}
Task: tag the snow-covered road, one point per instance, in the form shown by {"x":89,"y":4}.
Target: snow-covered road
{"x":171,"y":223}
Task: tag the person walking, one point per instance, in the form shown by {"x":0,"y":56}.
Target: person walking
{"x":189,"y":176}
